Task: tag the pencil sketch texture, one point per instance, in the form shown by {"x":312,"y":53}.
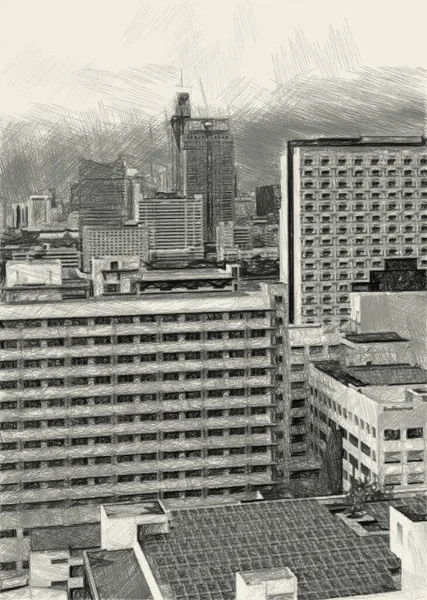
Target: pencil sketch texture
{"x":213,"y":300}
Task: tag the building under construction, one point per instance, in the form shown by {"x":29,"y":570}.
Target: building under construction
{"x":203,"y":163}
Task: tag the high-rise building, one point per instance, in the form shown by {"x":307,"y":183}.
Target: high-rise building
{"x":354,"y":217}
{"x":175,"y":226}
{"x":106,"y":194}
{"x":137,"y":398}
{"x":204,"y":164}
{"x":102,"y":241}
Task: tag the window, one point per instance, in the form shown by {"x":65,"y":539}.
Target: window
{"x":414,"y":433}
{"x":392,"y":457}
{"x":415,"y":478}
{"x":415,"y":456}
{"x":391,"y":435}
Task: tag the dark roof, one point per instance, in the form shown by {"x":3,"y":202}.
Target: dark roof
{"x":205,"y":547}
{"x":364,"y":375}
{"x":117,"y":575}
{"x":361,"y":141}
{"x":83,"y":536}
{"x":372,"y":338}
{"x":414,"y":507}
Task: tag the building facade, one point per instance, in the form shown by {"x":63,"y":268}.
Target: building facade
{"x":175,"y":227}
{"x":131,"y":399}
{"x":99,"y":242}
{"x":353,"y":210}
{"x":204,"y":164}
{"x":106,"y":193}
{"x":380,"y":420}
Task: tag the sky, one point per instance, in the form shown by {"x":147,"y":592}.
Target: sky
{"x":96,"y":78}
{"x":74,"y":55}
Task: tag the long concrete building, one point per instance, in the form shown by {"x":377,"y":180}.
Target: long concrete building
{"x":130,"y":399}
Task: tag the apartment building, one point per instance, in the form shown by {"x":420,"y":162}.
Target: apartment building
{"x":354,"y":217}
{"x":120,"y":399}
{"x":175,"y":226}
{"x":380,"y":414}
{"x":101,"y":241}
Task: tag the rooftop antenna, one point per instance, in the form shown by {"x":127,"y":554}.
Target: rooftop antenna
{"x":205,"y":100}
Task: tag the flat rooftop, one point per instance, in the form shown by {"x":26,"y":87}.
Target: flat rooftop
{"x":373,"y":375}
{"x":117,"y":575}
{"x":199,"y":557}
{"x":374,"y":338}
{"x":410,"y":140}
{"x":135,"y":305}
{"x":75,"y":537}
{"x":185,"y":274}
{"x":134,"y":510}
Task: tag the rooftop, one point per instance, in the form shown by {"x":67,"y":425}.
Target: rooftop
{"x":199,"y":558}
{"x":362,"y":141}
{"x":117,"y":574}
{"x":373,"y":338}
{"x":373,"y":375}
{"x":84,"y":536}
{"x":134,"y":510}
{"x":184,"y":274}
{"x":133,"y":305}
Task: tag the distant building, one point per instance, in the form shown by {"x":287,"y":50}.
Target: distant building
{"x":29,"y":281}
{"x":69,"y":257}
{"x":39,"y":211}
{"x":204,"y":164}
{"x":102,"y":241}
{"x":106,"y":194}
{"x":244,"y":208}
{"x":175,"y":226}
{"x":15,"y":214}
{"x":114,"y":275}
{"x":354,"y":219}
{"x":268,"y":200}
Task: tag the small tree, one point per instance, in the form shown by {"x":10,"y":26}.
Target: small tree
{"x":362,"y":492}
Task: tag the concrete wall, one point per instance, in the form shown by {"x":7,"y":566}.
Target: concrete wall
{"x":403,"y":312}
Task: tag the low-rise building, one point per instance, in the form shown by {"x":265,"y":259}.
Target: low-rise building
{"x":379,"y":412}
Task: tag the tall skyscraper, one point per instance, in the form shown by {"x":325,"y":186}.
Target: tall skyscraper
{"x":105,"y":193}
{"x":204,"y":164}
{"x":354,"y":218}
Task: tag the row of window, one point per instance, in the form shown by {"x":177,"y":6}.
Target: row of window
{"x":412,"y":433}
{"x":358,"y":184}
{"x":171,"y":318}
{"x":132,"y":418}
{"x":366,"y":160}
{"x":340,"y":410}
{"x":145,"y":457}
{"x":151,"y":338}
{"x":130,"y":398}
{"x":166,"y":494}
{"x":135,"y":438}
{"x":132,"y":378}
{"x":364,"y":173}
{"x":140,"y":477}
{"x":131,"y":358}
{"x":417,"y":197}
{"x":411,"y":456}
